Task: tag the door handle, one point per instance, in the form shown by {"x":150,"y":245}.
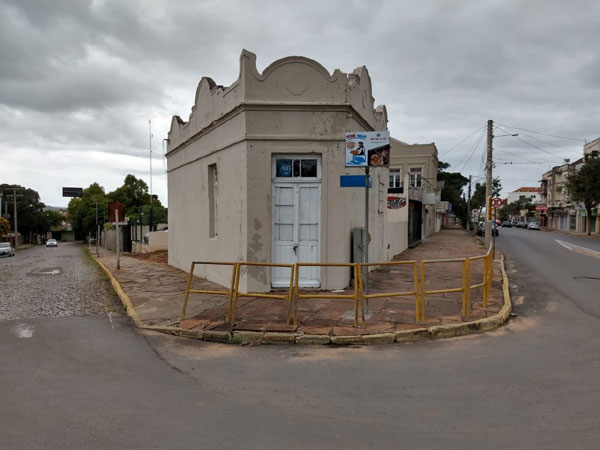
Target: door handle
{"x":295,"y":249}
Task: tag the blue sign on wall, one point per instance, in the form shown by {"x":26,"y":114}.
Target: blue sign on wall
{"x":354,"y":181}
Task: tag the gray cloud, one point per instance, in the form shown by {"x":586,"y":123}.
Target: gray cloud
{"x":88,"y":75}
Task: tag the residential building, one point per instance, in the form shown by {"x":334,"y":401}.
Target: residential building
{"x":525,"y":193}
{"x":414,"y":193}
{"x":560,"y":213}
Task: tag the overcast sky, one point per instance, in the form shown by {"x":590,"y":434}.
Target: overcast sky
{"x":79,"y":80}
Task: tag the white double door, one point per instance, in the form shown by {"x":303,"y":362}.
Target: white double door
{"x":296,"y":231}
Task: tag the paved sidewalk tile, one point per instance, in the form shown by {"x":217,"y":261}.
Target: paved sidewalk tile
{"x":157,"y":292}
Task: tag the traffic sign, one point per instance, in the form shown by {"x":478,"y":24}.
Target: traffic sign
{"x":496,"y":202}
{"x":72,"y":192}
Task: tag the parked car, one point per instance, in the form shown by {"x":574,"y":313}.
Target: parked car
{"x":51,"y":243}
{"x":6,"y":249}
{"x":521,"y":224}
{"x":533,"y":226}
{"x":507,"y":224}
{"x":481,"y":229}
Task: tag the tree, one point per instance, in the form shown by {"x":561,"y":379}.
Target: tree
{"x":4,"y":226}
{"x":452,"y":190}
{"x":478,"y":199}
{"x":81,"y":212}
{"x":134,"y":195}
{"x":514,"y":209}
{"x":584,"y":186}
{"x":30,"y":210}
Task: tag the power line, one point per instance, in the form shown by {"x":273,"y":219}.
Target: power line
{"x":534,"y":146}
{"x":545,"y":134}
{"x":449,"y":150}
{"x":545,"y":142}
{"x":470,"y":153}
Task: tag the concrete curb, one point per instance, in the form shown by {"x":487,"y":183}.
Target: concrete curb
{"x":278,"y":338}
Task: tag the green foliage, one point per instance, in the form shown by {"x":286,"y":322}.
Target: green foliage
{"x":515,"y":208}
{"x":133,"y":194}
{"x":82,"y":211}
{"x":454,"y":183}
{"x":53,"y":219}
{"x":4,"y":226}
{"x":478,"y":199}
{"x":584,"y":185}
{"x":30,"y":210}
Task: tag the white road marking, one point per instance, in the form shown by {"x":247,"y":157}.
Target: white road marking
{"x":578,"y":249}
{"x":23,"y":330}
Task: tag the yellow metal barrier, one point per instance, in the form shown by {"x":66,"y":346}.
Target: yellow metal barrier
{"x":462,"y":289}
{"x":414,"y":292}
{"x":237,"y":293}
{"x":354,"y":296}
{"x":485,"y":283}
{"x":204,"y":291}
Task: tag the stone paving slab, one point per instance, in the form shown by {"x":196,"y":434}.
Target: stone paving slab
{"x":157,"y":292}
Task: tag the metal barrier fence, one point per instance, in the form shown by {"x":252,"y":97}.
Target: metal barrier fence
{"x":414,"y":292}
{"x":354,"y":296}
{"x":358,"y":296}
{"x":466,"y":286}
{"x":236,"y":293}
{"x":205,"y":291}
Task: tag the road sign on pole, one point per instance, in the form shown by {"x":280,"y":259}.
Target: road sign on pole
{"x":72,"y":192}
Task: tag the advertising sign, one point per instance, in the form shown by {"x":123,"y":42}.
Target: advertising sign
{"x":368,"y":149}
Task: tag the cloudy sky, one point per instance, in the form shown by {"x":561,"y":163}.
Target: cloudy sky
{"x":80,"y":79}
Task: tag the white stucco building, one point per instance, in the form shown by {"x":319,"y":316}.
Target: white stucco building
{"x":254,"y":174}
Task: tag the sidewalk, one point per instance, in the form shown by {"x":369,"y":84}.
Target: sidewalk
{"x":157,"y":292}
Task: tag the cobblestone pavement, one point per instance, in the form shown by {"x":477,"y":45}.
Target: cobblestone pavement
{"x":53,"y":282}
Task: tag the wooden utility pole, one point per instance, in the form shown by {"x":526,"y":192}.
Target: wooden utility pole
{"x":488,"y":180}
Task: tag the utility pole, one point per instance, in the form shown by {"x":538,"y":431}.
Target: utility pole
{"x":488,"y":180}
{"x":469,"y":205}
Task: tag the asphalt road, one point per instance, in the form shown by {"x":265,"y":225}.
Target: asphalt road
{"x":95,"y":382}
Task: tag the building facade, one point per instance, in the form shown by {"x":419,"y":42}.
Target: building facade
{"x":254,"y":174}
{"x":413,"y":184}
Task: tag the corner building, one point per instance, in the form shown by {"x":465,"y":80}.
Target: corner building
{"x":254,"y":175}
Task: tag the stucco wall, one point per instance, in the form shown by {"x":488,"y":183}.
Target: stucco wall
{"x":189,"y":234}
{"x":158,"y":240}
{"x":294,"y":106}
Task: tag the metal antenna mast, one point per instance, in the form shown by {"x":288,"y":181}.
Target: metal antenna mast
{"x":150,"y":138}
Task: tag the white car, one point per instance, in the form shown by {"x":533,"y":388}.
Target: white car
{"x":6,"y":249}
{"x":533,"y":226}
{"x":52,"y":243}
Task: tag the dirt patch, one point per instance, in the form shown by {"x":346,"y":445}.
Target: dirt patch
{"x":159,"y":256}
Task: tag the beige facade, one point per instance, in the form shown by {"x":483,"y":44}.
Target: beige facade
{"x":230,"y":198}
{"x":416,"y":165}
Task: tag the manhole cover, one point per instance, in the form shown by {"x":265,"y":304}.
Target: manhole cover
{"x":46,"y":271}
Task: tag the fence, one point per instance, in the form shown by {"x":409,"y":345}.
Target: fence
{"x":358,"y":295}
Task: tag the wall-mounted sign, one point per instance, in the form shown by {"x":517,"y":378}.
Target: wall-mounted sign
{"x":396,"y":202}
{"x":368,"y":149}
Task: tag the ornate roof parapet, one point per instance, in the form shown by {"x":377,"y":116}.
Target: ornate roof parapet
{"x":294,"y":80}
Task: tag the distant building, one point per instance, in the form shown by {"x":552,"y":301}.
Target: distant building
{"x":525,"y":193}
{"x":414,"y":193}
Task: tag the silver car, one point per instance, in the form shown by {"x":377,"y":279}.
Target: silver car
{"x":6,"y":249}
